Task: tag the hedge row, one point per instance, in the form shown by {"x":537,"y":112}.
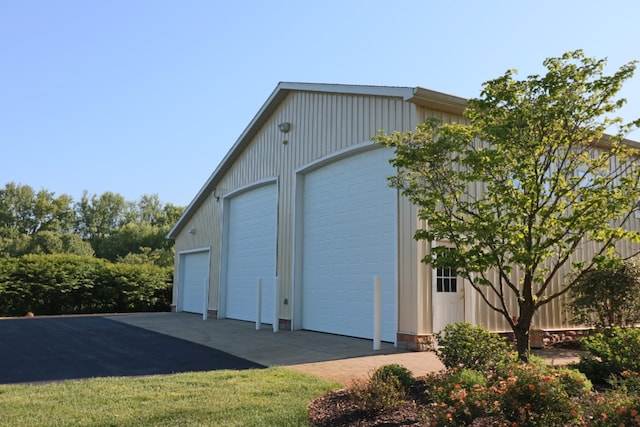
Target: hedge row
{"x":72,"y":284}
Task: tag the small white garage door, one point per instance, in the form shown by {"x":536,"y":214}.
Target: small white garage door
{"x":349,"y":223}
{"x":195,"y":278}
{"x":251,"y":252}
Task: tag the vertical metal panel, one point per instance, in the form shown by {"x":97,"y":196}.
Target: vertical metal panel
{"x":322,"y":123}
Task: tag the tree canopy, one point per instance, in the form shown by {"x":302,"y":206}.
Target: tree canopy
{"x":106,"y":225}
{"x":526,"y":179}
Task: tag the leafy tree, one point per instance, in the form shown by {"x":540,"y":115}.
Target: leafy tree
{"x":520,"y":186}
{"x":99,"y":216}
{"x":54,"y":242}
{"x":608,"y":297}
{"x":26,"y":211}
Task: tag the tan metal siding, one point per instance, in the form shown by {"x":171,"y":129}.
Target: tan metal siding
{"x":322,"y":123}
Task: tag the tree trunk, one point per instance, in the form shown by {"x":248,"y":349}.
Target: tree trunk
{"x":521,"y":331}
{"x":522,"y":342}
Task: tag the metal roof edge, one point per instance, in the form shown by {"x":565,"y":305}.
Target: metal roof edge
{"x":438,"y":100}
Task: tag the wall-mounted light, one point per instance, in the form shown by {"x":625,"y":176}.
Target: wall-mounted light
{"x":284,"y":127}
{"x":192,"y":231}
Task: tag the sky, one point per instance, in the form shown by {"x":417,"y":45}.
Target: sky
{"x":147,"y":96}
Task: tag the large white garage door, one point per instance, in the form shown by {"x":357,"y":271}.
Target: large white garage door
{"x":195,"y":278}
{"x":251,"y":252}
{"x":349,"y":222}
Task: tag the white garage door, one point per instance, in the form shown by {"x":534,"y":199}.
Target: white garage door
{"x":349,"y":222}
{"x":251,"y":252}
{"x":195,"y":278}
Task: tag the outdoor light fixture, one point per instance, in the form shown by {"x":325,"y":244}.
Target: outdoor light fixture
{"x":192,"y":231}
{"x":284,"y":127}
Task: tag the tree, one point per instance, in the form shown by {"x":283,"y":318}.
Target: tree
{"x":26,"y":211}
{"x":608,"y":297}
{"x":99,"y":217}
{"x":520,"y":186}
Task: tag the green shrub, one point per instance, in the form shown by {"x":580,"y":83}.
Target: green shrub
{"x":69,"y":284}
{"x":607,"y":297}
{"x":462,"y":345}
{"x":387,"y":373}
{"x":611,"y":352}
{"x":386,"y":389}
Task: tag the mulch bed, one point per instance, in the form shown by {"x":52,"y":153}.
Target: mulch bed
{"x":337,"y":408}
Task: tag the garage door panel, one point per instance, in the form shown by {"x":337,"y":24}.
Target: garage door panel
{"x":195,"y":278}
{"x":349,"y":238}
{"x":251,"y":252}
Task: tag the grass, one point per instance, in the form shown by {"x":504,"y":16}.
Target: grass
{"x":266,"y":397}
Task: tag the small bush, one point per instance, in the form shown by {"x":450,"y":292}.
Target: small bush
{"x":611,"y":352}
{"x":386,"y":389}
{"x":462,"y":345}
{"x":387,"y":373}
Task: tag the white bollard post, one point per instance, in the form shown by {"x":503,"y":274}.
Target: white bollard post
{"x":376,"y":313}
{"x":259,"y":305}
{"x":205,"y":299}
{"x":276,"y":305}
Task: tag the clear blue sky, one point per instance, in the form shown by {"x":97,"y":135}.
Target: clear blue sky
{"x":147,"y":96}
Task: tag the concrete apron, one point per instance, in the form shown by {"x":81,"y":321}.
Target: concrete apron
{"x":334,"y":357}
{"x":329,"y":356}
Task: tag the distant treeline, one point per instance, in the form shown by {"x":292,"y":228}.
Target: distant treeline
{"x":99,"y":254}
{"x":105,"y":226}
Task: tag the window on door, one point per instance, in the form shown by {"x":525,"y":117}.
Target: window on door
{"x":446,"y":279}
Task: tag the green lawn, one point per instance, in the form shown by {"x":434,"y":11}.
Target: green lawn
{"x":267,"y":397}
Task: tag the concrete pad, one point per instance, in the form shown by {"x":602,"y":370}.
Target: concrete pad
{"x":334,"y":357}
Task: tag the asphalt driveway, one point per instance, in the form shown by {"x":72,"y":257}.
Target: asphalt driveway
{"x":62,"y":348}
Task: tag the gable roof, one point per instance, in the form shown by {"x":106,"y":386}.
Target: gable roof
{"x":417,"y":95}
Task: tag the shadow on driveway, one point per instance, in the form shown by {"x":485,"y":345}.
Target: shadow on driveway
{"x":63,"y":348}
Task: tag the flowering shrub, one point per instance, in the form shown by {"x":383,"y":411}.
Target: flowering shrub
{"x":517,"y":394}
{"x":459,"y":397}
{"x":615,"y":408}
{"x":533,"y":395}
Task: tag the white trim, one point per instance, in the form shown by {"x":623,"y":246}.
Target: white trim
{"x":248,"y":187}
{"x":352,"y":150}
{"x":190,"y":251}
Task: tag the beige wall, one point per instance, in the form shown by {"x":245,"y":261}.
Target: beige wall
{"x":324,"y":123}
{"x":321,"y":124}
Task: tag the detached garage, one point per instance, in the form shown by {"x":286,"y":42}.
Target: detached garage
{"x":301,"y":201}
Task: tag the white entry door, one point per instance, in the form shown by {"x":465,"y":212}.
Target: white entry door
{"x":448,"y":299}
